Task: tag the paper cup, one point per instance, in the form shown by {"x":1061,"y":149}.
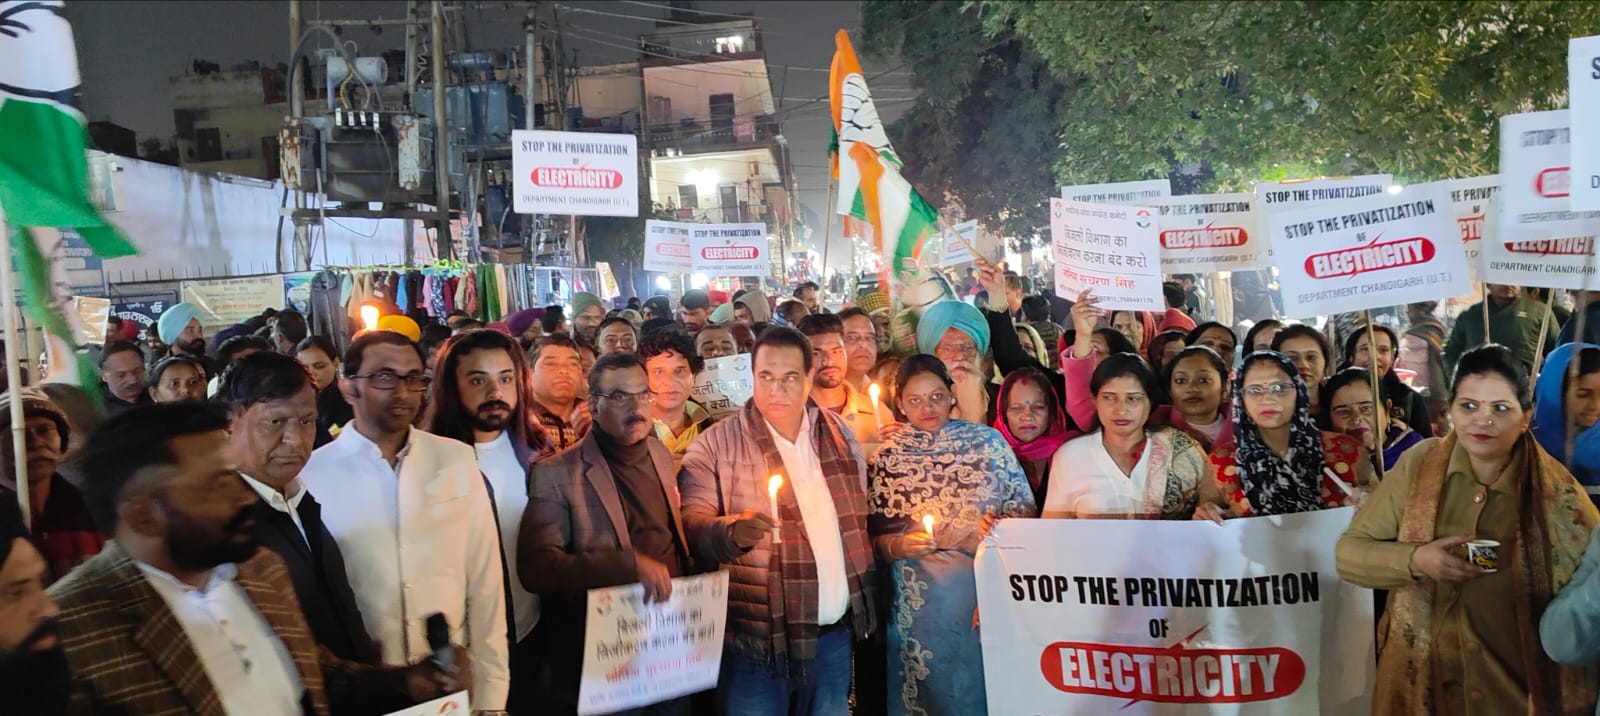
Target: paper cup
{"x":1484,"y":553}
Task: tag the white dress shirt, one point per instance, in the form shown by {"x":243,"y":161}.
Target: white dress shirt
{"x":811,"y":491}
{"x":498,"y":460}
{"x":1086,"y":483}
{"x":290,"y":505}
{"x":250,"y":668}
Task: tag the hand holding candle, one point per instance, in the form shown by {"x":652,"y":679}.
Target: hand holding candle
{"x":877,"y":415}
{"x":927,"y":525}
{"x":773,"y":486}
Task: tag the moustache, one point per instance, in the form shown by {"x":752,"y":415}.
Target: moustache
{"x":46,"y":629}
{"x":493,"y":404}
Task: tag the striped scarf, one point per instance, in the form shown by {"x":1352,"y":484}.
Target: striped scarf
{"x":792,"y":572}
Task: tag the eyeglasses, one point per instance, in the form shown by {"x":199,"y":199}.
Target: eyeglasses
{"x":936,"y":400}
{"x":385,"y":380}
{"x":959,"y":350}
{"x":626,"y":399}
{"x":792,"y":381}
{"x":1276,"y":390}
{"x":861,"y":339}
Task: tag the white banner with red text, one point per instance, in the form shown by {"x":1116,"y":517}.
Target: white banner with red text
{"x":582,"y":173}
{"x":1206,"y":233}
{"x":637,"y":653}
{"x":666,"y":246}
{"x":720,"y":250}
{"x":1546,"y":243}
{"x":1472,"y":197}
{"x":1183,"y":617}
{"x":1111,"y":251}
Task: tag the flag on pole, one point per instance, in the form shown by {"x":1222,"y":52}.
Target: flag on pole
{"x":43,"y":170}
{"x":870,"y":185}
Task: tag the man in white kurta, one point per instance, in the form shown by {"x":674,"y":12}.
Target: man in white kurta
{"x":413,"y":518}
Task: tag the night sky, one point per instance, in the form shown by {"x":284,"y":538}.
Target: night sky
{"x":129,"y":50}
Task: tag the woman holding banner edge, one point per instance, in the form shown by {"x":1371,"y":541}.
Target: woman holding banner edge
{"x":1462,"y":636}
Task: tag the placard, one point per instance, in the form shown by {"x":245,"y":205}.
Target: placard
{"x":143,"y":309}
{"x":1376,"y":251}
{"x":724,"y":385}
{"x":608,"y":281}
{"x":636,"y":654}
{"x":297,"y":291}
{"x":1472,"y":198}
{"x":953,"y":251}
{"x":92,"y":312}
{"x":223,"y":302}
{"x":455,"y":704}
{"x":1113,"y":251}
{"x":1209,"y":232}
{"x":1249,"y":617}
{"x":1121,"y":192}
{"x":666,"y":246}
{"x":582,"y":173}
{"x":729,"y":249}
{"x":1583,"y":97}
{"x":1289,"y":195}
{"x":1547,"y":243}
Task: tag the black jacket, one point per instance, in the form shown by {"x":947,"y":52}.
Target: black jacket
{"x":317,"y":569}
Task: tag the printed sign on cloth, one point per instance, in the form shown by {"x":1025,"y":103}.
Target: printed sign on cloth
{"x":729,"y":249}
{"x":636,"y":654}
{"x":954,"y":252}
{"x":1546,"y":242}
{"x":1380,"y":250}
{"x":1583,"y":97}
{"x":1251,"y":614}
{"x":1121,"y":192}
{"x":583,"y":173}
{"x":1209,"y":232}
{"x":724,"y":385}
{"x":666,"y":246}
{"x":1472,"y":198}
{"x":223,"y":302}
{"x":1112,"y":251}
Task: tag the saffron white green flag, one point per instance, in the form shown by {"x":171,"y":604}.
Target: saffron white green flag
{"x":43,"y":169}
{"x":870,"y":185}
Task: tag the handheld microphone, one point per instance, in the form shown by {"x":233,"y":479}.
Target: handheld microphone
{"x":444,"y":656}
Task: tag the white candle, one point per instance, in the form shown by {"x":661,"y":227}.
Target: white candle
{"x":877,"y":415}
{"x":927,"y":525}
{"x":773,"y":485}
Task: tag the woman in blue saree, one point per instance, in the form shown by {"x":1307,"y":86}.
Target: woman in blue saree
{"x":964,"y":476}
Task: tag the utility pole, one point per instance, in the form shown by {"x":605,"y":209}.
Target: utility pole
{"x":441,"y":140}
{"x":408,"y":230}
{"x":297,"y":109}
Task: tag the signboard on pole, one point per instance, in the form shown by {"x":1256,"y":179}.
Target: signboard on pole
{"x":724,"y":385}
{"x":1208,"y":233}
{"x":1380,"y":250}
{"x":953,"y":251}
{"x":1122,"y":192}
{"x":636,"y":654}
{"x":1472,"y":198}
{"x":582,"y":173}
{"x":1245,"y":618}
{"x":666,"y":246}
{"x":1547,"y":243}
{"x":729,"y":249}
{"x":1111,"y":251}
{"x":143,"y":309}
{"x":1583,"y":97}
{"x":223,"y":302}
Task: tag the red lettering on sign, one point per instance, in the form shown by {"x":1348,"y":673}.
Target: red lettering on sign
{"x":676,"y":250}
{"x":1553,"y":183}
{"x":1566,"y":246}
{"x":1210,"y":237}
{"x":729,"y":253}
{"x":1173,"y":675}
{"x":576,"y":178}
{"x":1376,"y":256}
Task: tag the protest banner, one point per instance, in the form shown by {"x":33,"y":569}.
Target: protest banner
{"x":1583,"y":98}
{"x":1472,"y":198}
{"x":636,"y":654}
{"x":297,"y":291}
{"x":1112,"y":251}
{"x":1121,"y":192}
{"x":143,"y":309}
{"x":1547,"y":244}
{"x":1209,"y":232}
{"x":666,"y":246}
{"x":583,"y":173}
{"x":729,"y":249}
{"x":223,"y":302}
{"x":1380,"y":250}
{"x":456,"y":704}
{"x":724,"y":385}
{"x":1249,"y":617}
{"x":953,"y":250}
{"x":1273,"y":197}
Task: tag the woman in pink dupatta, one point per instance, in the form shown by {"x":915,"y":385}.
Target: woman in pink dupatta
{"x":1033,"y":424}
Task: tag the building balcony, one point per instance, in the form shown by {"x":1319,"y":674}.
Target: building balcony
{"x":713,"y":42}
{"x":743,"y":213}
{"x":697,"y":136}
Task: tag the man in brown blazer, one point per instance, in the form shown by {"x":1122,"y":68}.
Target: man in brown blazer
{"x":602,"y":513}
{"x":182,"y":612}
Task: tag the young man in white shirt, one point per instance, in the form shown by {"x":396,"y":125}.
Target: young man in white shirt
{"x":483,"y":398}
{"x":413,"y":517}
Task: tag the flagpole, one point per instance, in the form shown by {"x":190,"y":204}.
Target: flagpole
{"x":1379,"y":432}
{"x":8,"y":301}
{"x":827,"y":232}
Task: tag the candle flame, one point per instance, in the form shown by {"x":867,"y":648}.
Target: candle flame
{"x":874,"y":391}
{"x":927,"y":524}
{"x":774,"y":484}
{"x":369,"y":316}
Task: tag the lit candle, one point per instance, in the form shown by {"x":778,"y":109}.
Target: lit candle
{"x":369,"y":316}
{"x":877,"y":415}
{"x":927,"y":525}
{"x":773,"y":485}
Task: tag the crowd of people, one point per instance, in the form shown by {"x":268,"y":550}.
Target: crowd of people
{"x":275,"y":522}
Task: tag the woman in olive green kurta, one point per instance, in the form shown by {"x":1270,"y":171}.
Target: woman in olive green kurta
{"x":1457,"y":638}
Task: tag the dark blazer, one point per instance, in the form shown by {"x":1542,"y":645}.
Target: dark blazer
{"x":574,"y":538}
{"x":129,"y":655}
{"x":317,"y":571}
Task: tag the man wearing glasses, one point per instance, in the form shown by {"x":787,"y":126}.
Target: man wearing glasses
{"x":601,"y":514}
{"x":412,"y":516}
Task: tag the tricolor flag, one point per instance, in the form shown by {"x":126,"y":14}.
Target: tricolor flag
{"x":43,"y":170}
{"x":870,"y":185}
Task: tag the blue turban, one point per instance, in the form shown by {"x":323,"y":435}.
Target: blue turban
{"x":174,"y":320}
{"x":944,"y":315}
